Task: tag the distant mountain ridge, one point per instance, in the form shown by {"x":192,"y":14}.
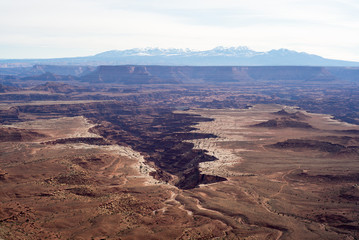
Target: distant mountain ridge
{"x":219,"y":56}
{"x":152,"y":74}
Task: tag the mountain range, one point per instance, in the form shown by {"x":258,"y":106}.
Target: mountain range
{"x":219,"y":56}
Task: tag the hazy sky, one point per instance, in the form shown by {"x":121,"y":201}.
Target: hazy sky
{"x":64,"y":28}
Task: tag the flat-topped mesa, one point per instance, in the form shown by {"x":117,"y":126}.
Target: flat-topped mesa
{"x":314,"y":145}
{"x":130,"y":74}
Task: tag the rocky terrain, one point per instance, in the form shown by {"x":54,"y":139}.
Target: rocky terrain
{"x":156,"y":133}
{"x":8,"y":134}
{"x":285,"y":177}
{"x":237,"y":153}
{"x":4,"y":88}
{"x":58,"y":87}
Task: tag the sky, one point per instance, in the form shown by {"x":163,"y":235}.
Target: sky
{"x":70,"y":28}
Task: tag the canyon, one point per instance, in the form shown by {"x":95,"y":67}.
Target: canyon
{"x":165,"y":152}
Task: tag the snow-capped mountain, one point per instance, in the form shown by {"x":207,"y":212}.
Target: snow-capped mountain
{"x":219,"y":56}
{"x":144,"y":52}
{"x":218,"y":51}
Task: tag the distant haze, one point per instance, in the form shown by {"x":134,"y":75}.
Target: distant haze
{"x":69,"y":28}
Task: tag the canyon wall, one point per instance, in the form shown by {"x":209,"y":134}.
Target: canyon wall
{"x":130,"y":74}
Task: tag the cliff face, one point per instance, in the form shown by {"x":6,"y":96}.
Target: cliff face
{"x":290,"y":73}
{"x":189,"y":74}
{"x":127,"y":75}
{"x":59,"y":70}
